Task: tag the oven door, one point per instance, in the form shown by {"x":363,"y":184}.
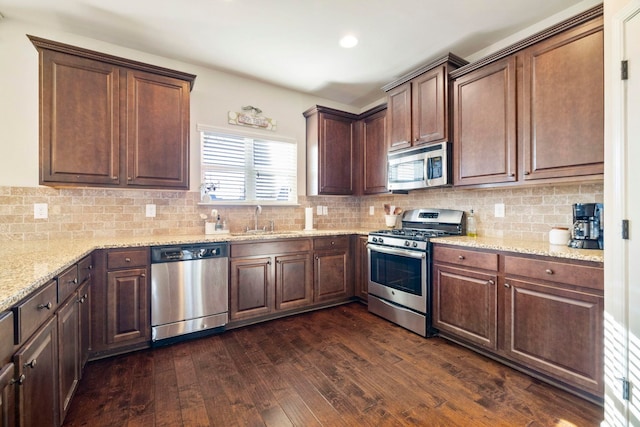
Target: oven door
{"x":399,"y":276}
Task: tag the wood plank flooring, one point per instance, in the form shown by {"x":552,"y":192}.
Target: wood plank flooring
{"x":335,"y":367}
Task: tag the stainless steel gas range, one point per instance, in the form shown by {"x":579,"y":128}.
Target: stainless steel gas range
{"x":400,"y":267}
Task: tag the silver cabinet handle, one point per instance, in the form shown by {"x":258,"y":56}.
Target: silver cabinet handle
{"x":461,"y":257}
{"x":548,"y":271}
{"x":31,"y":364}
{"x":490,"y":282}
{"x":43,"y":306}
{"x":127,"y":259}
{"x":506,"y":285}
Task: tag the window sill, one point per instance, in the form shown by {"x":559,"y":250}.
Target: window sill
{"x":249,"y":203}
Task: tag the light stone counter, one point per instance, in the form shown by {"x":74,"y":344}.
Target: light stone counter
{"x":524,"y":247}
{"x":25,"y":266}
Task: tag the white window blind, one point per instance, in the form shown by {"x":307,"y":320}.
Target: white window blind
{"x":248,"y":169}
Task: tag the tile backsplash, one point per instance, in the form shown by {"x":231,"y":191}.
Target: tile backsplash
{"x":89,"y":212}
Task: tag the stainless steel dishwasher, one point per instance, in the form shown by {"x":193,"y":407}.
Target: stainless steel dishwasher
{"x":189,"y":290}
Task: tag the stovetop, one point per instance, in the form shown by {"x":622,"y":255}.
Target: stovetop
{"x":420,"y":225}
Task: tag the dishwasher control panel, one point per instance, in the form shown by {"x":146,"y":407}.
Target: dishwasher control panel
{"x":188,"y":252}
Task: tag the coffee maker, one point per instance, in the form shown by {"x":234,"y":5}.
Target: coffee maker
{"x":587,"y":232}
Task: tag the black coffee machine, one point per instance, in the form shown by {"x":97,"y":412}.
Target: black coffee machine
{"x":587,"y":232}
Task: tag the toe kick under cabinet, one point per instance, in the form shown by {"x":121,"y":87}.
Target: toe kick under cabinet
{"x":542,"y":315}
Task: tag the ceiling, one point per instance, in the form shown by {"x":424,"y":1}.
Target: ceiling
{"x":294,"y":43}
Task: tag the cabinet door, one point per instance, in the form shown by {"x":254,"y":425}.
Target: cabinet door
{"x":563,"y":120}
{"x":157,"y":131}
{"x":68,"y":352}
{"x":464,"y":304}
{"x":7,"y":396}
{"x":330,"y":276}
{"x":293,"y":281}
{"x":429,"y":107}
{"x":336,"y":145}
{"x":484,"y":114}
{"x":362,"y":268}
{"x":84,"y":299}
{"x":374,"y":153}
{"x":399,"y":114}
{"x":251,"y":288}
{"x":37,"y":364}
{"x":128,"y":315}
{"x":80,"y":120}
{"x":556,"y":331}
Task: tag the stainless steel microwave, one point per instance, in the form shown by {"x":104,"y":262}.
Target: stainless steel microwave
{"x":419,"y":167}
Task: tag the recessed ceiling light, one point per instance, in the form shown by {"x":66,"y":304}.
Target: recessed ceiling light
{"x":348,"y":41}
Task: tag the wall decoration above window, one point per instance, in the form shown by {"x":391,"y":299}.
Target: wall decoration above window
{"x":252,"y":116}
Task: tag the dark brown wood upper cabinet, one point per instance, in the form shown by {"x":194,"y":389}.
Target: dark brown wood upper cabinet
{"x":484,"y":129}
{"x":563,"y":111}
{"x":373,"y":145}
{"x":109,"y":121}
{"x":331,"y":151}
{"x":539,"y":102}
{"x":418,"y":104}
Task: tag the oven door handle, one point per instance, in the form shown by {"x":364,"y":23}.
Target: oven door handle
{"x":396,"y":251}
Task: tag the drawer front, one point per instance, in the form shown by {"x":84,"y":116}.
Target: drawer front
{"x":127,"y":258}
{"x":466,"y":258}
{"x":329,"y":243}
{"x":578,"y":275}
{"x":67,"y":283}
{"x":269,"y":248}
{"x":85,"y":266}
{"x":35,"y":310}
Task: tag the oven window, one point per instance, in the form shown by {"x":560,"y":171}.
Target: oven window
{"x":396,"y":271}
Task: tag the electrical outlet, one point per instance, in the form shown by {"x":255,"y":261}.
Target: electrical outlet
{"x":371,"y":210}
{"x":151,"y":211}
{"x":318,"y":210}
{"x":325,"y":210}
{"x":499,"y":210}
{"x":40,"y":211}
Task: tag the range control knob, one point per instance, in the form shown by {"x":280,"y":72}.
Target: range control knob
{"x":380,"y":240}
{"x":407,"y":243}
{"x":415,"y":244}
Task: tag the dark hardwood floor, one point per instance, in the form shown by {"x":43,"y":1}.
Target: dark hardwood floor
{"x":335,"y":367}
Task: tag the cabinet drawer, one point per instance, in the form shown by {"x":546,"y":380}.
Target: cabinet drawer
{"x":67,"y":283}
{"x":35,"y":310}
{"x":467,"y":258}
{"x":127,"y":258}
{"x":85,"y":265}
{"x":269,"y":248}
{"x":578,"y":275}
{"x":334,"y":242}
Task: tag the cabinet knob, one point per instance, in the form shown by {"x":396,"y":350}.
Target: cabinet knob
{"x":490,"y":282}
{"x":43,"y":306}
{"x":268,"y":262}
{"x":114,"y":177}
{"x":333,"y":243}
{"x":461,"y":257}
{"x":32,"y":364}
{"x":512,"y":174}
{"x":74,"y":281}
{"x":143,"y":275}
{"x":127,"y":260}
{"x":18,"y":380}
{"x":506,"y":285}
{"x":548,"y":271}
{"x":526,"y":172}
{"x":129,"y":178}
{"x":90,"y":267}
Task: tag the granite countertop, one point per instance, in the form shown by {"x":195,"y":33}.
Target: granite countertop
{"x":25,"y":266}
{"x":524,"y":247}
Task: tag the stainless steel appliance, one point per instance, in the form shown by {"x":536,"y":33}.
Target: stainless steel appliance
{"x":587,"y":231}
{"x":419,"y":167}
{"x":400,"y":267}
{"x":189,"y":289}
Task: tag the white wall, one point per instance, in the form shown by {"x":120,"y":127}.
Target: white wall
{"x":214,"y":94}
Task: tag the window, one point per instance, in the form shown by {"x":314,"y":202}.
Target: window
{"x":248,"y":168}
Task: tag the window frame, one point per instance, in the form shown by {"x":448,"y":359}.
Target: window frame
{"x":200,"y":128}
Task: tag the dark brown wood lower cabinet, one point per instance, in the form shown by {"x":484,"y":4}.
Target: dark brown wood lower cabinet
{"x":251,"y":288}
{"x":330,"y":276}
{"x":128,"y":315}
{"x":37,"y":365}
{"x":293,"y":281}
{"x":557,"y":331}
{"x":7,"y":396}
{"x":68,"y":352}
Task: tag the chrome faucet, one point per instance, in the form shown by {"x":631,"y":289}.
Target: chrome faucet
{"x":258,"y":211}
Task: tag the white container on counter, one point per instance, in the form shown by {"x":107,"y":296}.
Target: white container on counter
{"x":391,"y":220}
{"x":559,"y":236}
